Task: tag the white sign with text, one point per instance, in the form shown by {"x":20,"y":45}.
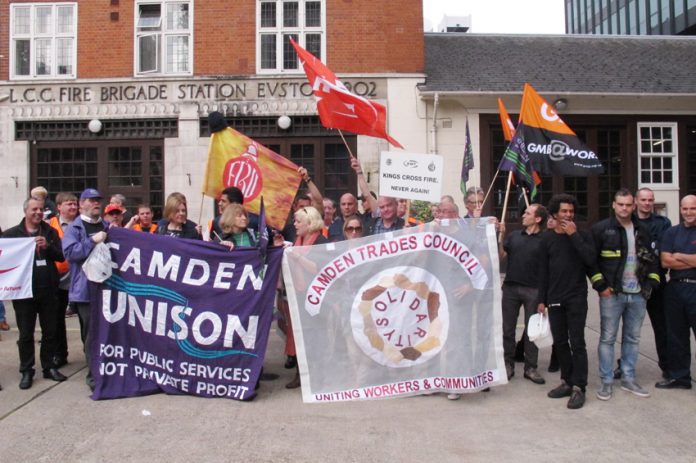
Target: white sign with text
{"x":410,"y":175}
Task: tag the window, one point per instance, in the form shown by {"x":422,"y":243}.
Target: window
{"x":657,"y":152}
{"x":163,"y":37}
{"x":43,"y":38}
{"x":279,"y":20}
{"x":134,"y":168}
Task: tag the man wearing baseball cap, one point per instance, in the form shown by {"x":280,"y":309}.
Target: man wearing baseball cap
{"x":79,"y":240}
{"x":113,"y":214}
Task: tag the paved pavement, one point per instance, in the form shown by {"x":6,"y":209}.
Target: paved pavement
{"x":58,"y":422}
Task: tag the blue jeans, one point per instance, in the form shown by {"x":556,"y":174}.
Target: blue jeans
{"x":630,"y":308}
{"x":2,"y":311}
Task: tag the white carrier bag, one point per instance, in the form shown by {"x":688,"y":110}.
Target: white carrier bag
{"x":97,"y":267}
{"x":539,"y":331}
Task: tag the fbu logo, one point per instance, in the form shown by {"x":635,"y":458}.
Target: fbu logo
{"x":243,"y":172}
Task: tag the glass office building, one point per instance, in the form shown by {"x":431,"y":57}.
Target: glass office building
{"x":631,"y":17}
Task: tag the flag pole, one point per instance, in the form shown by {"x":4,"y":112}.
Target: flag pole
{"x":346,"y":143}
{"x":507,"y":196}
{"x":526,"y":199}
{"x":490,"y":187}
{"x":200,"y":211}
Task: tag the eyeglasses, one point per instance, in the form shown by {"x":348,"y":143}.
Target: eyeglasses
{"x":354,"y":229}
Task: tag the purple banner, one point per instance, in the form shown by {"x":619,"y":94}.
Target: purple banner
{"x":182,"y":317}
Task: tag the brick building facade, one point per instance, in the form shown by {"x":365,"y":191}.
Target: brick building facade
{"x":151,"y":70}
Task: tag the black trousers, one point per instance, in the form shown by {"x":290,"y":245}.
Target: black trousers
{"x":567,"y":321}
{"x":43,"y":305}
{"x":680,"y":313}
{"x":514,"y":296}
{"x":658,"y":320}
{"x":61,"y":334}
{"x":85,"y":314}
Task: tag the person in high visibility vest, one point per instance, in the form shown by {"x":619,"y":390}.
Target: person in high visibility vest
{"x":142,"y":221}
{"x":401,"y":209}
{"x":67,"y":211}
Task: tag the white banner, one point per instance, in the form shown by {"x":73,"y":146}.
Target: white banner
{"x":410,"y":176}
{"x":398,"y":314}
{"x":16,"y":267}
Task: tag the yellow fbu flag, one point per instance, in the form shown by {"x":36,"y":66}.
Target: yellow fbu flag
{"x":236,"y":160}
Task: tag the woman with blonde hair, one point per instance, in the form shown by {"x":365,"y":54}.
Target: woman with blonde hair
{"x":353,"y":228}
{"x":234,"y":222}
{"x":308,"y":224}
{"x":175,"y":222}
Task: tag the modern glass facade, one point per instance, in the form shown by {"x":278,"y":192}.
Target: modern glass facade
{"x":631,"y":17}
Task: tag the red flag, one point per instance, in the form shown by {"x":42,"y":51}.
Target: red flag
{"x":338,"y":107}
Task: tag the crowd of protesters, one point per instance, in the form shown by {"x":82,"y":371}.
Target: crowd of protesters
{"x":635,"y":259}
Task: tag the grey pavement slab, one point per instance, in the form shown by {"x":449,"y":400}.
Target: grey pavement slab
{"x":58,"y":422}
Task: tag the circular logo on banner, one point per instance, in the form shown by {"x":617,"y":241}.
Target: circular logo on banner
{"x":400,"y":317}
{"x":244,"y":173}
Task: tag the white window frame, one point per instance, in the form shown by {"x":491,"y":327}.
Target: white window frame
{"x":301,"y":31}
{"x":163,"y":33}
{"x":673,"y":154}
{"x":33,"y":37}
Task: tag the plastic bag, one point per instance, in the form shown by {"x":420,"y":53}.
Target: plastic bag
{"x":539,"y":331}
{"x":97,"y":267}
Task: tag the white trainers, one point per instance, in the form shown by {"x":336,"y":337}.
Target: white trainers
{"x":453,"y":396}
{"x":634,"y":388}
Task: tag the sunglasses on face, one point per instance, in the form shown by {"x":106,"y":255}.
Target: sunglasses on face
{"x":354,"y":229}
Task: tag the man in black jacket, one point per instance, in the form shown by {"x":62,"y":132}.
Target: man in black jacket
{"x":628,"y":272}
{"x":521,"y":247}
{"x":44,"y":300}
{"x":658,"y":225}
{"x":566,"y":256}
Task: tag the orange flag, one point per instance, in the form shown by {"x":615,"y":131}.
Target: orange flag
{"x":508,"y":127}
{"x":236,"y":160}
{"x":552,"y":146}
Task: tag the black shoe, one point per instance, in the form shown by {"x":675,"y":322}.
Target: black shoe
{"x":291,"y":362}
{"x":564,"y":390}
{"x":295,"y":383}
{"x":27,"y":380}
{"x":577,"y":399}
{"x":672,"y":384}
{"x":60,"y":361}
{"x":54,"y":374}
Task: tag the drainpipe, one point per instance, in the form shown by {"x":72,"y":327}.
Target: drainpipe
{"x":436,"y":103}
